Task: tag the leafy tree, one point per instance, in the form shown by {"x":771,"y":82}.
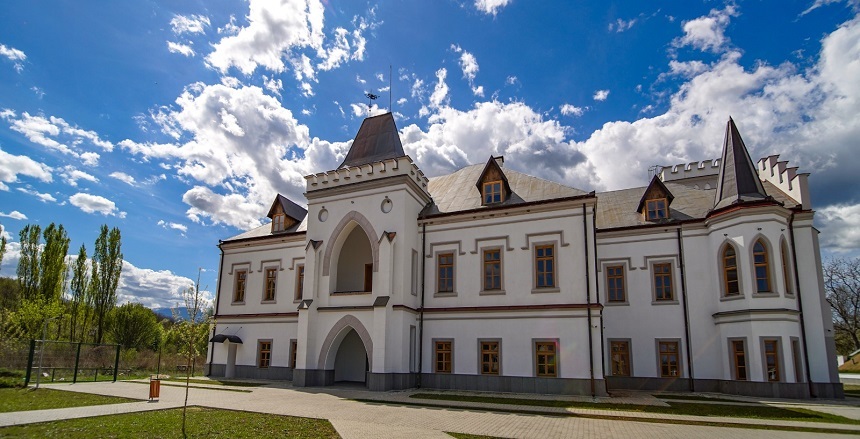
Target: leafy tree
{"x":842,"y":285}
{"x":28,"y":264}
{"x":80,"y":292}
{"x":189,"y":332}
{"x":9,"y":293}
{"x":108,"y":258}
{"x":52,"y":263}
{"x":134,"y":326}
{"x":2,"y":246}
{"x":26,"y":321}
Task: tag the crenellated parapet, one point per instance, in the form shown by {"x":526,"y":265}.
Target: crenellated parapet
{"x":681,"y":171}
{"x":367,"y":172}
{"x":786,"y":178}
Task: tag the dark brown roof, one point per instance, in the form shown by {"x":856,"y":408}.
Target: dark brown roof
{"x":290,"y":208}
{"x":738,"y":180}
{"x":377,"y":140}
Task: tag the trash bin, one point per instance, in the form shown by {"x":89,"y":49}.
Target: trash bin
{"x":154,"y":387}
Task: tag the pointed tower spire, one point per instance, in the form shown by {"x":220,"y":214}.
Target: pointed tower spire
{"x":738,"y":180}
{"x":377,"y":140}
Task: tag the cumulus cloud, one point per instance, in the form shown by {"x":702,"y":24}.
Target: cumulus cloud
{"x":11,"y":166}
{"x":572,"y":110}
{"x":43,"y":197}
{"x":470,"y":68}
{"x":842,"y":225}
{"x":95,"y":204}
{"x":182,"y":49}
{"x":708,"y":33}
{"x":440,"y":91}
{"x":601,"y":95}
{"x":15,"y":215}
{"x":491,"y":7}
{"x":123,"y":177}
{"x":153,"y":288}
{"x":193,"y":24}
{"x":71,"y":175}
{"x":175,"y":226}
{"x":56,"y":134}
{"x":16,"y":56}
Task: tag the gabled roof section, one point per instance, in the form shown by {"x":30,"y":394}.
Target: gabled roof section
{"x":377,"y":140}
{"x":493,"y":172}
{"x":656,"y":189}
{"x":291,"y":209}
{"x":738,"y":180}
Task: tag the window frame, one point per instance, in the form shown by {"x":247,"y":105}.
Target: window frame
{"x":298,"y":294}
{"x":264,"y":363}
{"x":654,"y":201}
{"x":628,"y":352}
{"x":453,"y":267}
{"x":450,"y":350}
{"x":536,"y":356}
{"x":483,"y":265}
{"x":678,"y":358}
{"x":498,"y":352}
{"x":536,"y":246}
{"x":622,"y":276}
{"x":274,"y":286}
{"x":671,"y":275}
{"x":275,"y":222}
{"x":724,"y":268}
{"x":240,"y":278}
{"x":767,"y":265}
{"x":733,"y":358}
{"x":494,"y":184}
{"x":294,"y":353}
{"x":778,"y":360}
{"x":787,"y":268}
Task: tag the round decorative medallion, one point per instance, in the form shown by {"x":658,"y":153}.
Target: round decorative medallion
{"x":387,"y":205}
{"x":323,"y":215}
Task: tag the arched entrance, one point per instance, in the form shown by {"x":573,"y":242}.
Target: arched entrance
{"x":350,"y":364}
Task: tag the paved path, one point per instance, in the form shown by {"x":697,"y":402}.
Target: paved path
{"x":354,"y":419}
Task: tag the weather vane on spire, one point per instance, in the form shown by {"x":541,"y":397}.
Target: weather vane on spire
{"x":371,"y":97}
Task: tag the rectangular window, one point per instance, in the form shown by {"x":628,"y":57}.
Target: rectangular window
{"x":265,"y":356}
{"x":294,"y":349}
{"x":445,"y":275}
{"x":656,"y":209}
{"x":771,"y":358}
{"x":271,"y":283}
{"x":368,"y":277}
{"x":493,"y":192}
{"x":300,"y":281}
{"x":489,"y":358}
{"x":669,"y":359}
{"x":795,"y":355}
{"x":620,"y":351}
{"x":493,"y":269}
{"x":239,"y":290}
{"x":545,"y":266}
{"x":545,"y":364}
{"x":413,"y":366}
{"x":278,"y":221}
{"x":443,"y":355}
{"x":615,"y":284}
{"x":739,"y":359}
{"x":414,"y":272}
{"x":663,"y":281}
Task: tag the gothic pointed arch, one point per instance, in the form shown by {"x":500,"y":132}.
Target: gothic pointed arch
{"x":761,"y":253}
{"x":337,"y":333}
{"x":729,"y":268}
{"x":785,"y":261}
{"x":350,"y":218}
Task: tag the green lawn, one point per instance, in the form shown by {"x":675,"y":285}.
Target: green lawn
{"x":693,"y":398}
{"x":851,"y":390}
{"x":675,"y":408}
{"x":202,"y":423}
{"x":16,"y":400}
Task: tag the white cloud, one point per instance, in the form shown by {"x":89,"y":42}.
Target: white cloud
{"x":43,"y":197}
{"x":15,"y":215}
{"x":620,"y":25}
{"x":817,"y":4}
{"x":95,"y":204}
{"x":601,"y":95}
{"x":841,"y":222}
{"x":402,"y":101}
{"x":38,"y":91}
{"x":361,"y":109}
{"x":707,"y":33}
{"x":90,"y":158}
{"x":230,"y":28}
{"x":273,"y":85}
{"x":440,"y":92}
{"x":14,"y":55}
{"x":491,"y":7}
{"x":175,"y":226}
{"x":123,"y":177}
{"x":571,"y":110}
{"x":511,"y":80}
{"x":11,"y":166}
{"x":193,"y":24}
{"x":179,"y":48}
{"x":72,"y":175}
{"x":153,"y":288}
{"x":470,"y":68}
{"x":45,"y":131}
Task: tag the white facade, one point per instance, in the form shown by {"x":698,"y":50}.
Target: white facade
{"x":400,"y":287}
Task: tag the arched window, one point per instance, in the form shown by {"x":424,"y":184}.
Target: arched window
{"x":786,"y":271}
{"x":730,"y":272}
{"x":762,"y":267}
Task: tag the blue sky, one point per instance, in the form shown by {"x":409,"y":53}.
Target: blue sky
{"x":179,"y":122}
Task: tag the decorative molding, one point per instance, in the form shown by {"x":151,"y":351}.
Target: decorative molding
{"x":507,"y":239}
{"x":460,"y":251}
{"x":240,"y":264}
{"x":266,"y":261}
{"x":293,"y":262}
{"x":560,"y":233}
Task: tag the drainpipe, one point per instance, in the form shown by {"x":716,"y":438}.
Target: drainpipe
{"x":217,"y":300}
{"x":812,"y":392}
{"x":421,"y":310}
{"x":686,"y":309}
{"x":597,"y":296}
{"x":588,"y":301}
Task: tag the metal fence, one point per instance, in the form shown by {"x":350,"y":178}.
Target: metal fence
{"x":68,"y":361}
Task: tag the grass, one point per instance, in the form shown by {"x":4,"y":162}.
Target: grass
{"x":16,"y":400}
{"x":850,"y":366}
{"x":11,"y":379}
{"x":675,"y":408}
{"x":202,"y":423}
{"x":215,"y":382}
{"x":693,"y":398}
{"x":851,"y":389}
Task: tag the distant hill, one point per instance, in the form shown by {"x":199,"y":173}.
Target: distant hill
{"x":168,"y":313}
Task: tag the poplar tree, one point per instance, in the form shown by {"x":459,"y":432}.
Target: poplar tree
{"x":108,"y":258}
{"x":52,"y":263}
{"x":79,"y":288}
{"x":2,"y":246}
{"x":28,"y":264}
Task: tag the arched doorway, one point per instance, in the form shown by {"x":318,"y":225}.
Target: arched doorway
{"x":354,"y":263}
{"x":350,"y":364}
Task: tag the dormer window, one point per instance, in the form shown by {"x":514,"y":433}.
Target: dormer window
{"x":656,"y":209}
{"x":278,"y":222}
{"x":493,"y":192}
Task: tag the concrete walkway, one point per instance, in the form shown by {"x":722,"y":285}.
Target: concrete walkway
{"x":394,"y":419}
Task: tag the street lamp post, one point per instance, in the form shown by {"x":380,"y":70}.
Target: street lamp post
{"x":42,"y":349}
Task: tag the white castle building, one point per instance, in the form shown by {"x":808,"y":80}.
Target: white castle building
{"x":708,"y":279}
